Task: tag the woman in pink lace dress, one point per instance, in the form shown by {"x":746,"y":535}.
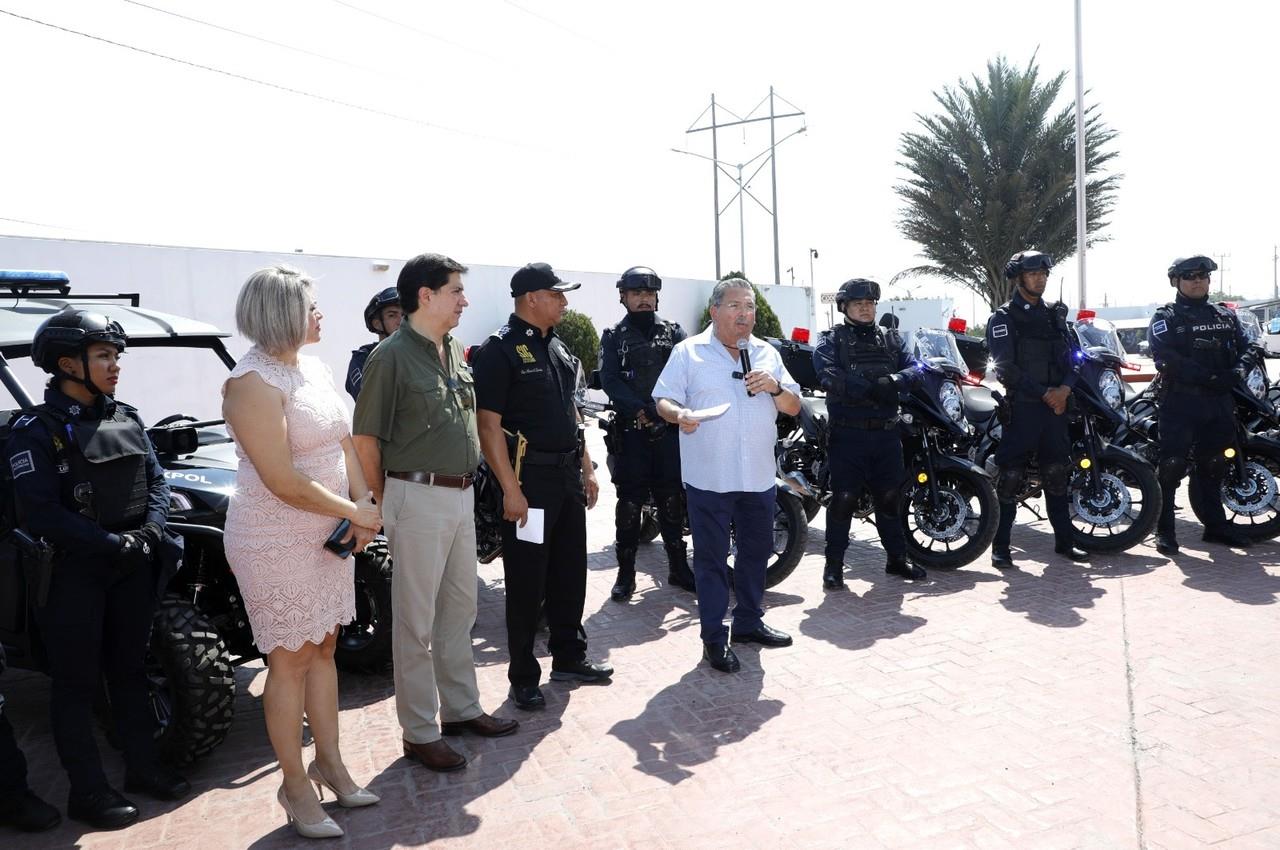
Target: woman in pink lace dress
{"x":298,"y":477}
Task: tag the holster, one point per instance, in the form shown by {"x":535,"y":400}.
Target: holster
{"x":37,"y":565}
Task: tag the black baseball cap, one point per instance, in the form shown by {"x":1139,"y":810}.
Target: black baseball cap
{"x":537,"y":276}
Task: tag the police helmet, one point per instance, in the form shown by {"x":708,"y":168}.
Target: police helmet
{"x":1029,"y":260}
{"x":855,"y":290}
{"x":69,"y":333}
{"x":386,"y":298}
{"x":640,"y":277}
{"x":1190,"y":265}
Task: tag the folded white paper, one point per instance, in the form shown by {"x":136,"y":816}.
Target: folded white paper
{"x":709,"y":412}
{"x":531,"y":532}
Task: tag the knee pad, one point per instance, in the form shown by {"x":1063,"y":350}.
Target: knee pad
{"x":627,"y":515}
{"x":843,"y":503}
{"x":889,"y":502}
{"x":1212,"y":467}
{"x":1055,"y":477}
{"x":1009,"y":483}
{"x":1171,"y":470}
{"x":670,"y":509}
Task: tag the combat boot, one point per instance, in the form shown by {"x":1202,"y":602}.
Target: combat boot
{"x":833,"y":575}
{"x":678,"y":573}
{"x":1001,"y":557}
{"x":898,"y":565}
{"x":625,"y":585}
{"x":1167,"y":543}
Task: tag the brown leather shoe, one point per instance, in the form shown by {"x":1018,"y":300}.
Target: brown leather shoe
{"x":437,"y":756}
{"x":485,"y":725}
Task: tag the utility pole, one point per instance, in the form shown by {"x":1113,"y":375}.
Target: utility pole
{"x":717,"y":168}
{"x":792,"y":271}
{"x":1275,"y":285}
{"x":1082,"y":233}
{"x":1222,"y":269}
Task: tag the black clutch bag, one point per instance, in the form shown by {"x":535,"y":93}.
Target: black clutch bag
{"x":335,"y":545}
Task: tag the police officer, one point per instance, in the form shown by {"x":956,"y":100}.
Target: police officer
{"x":87,"y":481}
{"x":862,"y":367}
{"x":1196,"y":346}
{"x":644,"y":448}
{"x":20,"y":808}
{"x":530,"y":433}
{"x":1031,"y":350}
{"x":382,"y":316}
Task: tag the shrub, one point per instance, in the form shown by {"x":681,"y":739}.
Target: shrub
{"x":580,"y":335}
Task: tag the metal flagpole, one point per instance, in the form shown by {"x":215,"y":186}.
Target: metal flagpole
{"x":1081,"y":208}
{"x":715,"y":182}
{"x":773,"y":171}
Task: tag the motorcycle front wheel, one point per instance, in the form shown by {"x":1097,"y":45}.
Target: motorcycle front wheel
{"x":957,"y":528}
{"x":1120,"y":511}
{"x":1251,"y":501}
{"x":789,"y":532}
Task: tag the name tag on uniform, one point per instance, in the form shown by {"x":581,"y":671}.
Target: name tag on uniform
{"x":999,"y":331}
{"x":534,"y":370}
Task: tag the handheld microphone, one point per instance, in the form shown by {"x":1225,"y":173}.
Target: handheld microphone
{"x":745,"y":359}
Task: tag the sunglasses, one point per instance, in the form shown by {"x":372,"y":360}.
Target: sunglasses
{"x":1194,"y":276}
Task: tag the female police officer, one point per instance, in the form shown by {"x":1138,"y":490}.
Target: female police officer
{"x":86,"y":480}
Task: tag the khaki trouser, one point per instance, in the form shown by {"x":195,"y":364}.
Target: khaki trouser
{"x":432,"y":533}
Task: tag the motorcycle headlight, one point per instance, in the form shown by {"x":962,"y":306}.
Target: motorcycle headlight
{"x":951,"y":401}
{"x":1111,"y":389}
{"x":1256,"y":381}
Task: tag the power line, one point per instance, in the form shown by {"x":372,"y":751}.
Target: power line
{"x":253,"y":37}
{"x":408,"y":119}
{"x":411,"y":28}
{"x":556,"y":24}
{"x":37,"y":224}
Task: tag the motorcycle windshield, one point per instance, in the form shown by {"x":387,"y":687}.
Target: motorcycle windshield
{"x":1252,"y":327}
{"x":937,"y":348}
{"x":1098,"y":339}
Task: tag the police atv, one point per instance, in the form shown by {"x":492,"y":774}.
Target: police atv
{"x":200,"y":628}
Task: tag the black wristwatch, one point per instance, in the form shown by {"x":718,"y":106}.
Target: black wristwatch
{"x":779,"y":392}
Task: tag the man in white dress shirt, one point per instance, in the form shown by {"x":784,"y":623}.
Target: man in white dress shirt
{"x":727,"y":464}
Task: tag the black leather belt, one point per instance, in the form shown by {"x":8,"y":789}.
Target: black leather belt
{"x":436,"y":479}
{"x":1196,"y":389}
{"x":866,"y":424}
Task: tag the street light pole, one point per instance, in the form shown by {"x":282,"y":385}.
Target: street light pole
{"x":1081,"y":207}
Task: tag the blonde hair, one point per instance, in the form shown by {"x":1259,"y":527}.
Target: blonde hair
{"x":273,"y":306}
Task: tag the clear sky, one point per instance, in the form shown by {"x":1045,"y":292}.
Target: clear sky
{"x":541,"y":129}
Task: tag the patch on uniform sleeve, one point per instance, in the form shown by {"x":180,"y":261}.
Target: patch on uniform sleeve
{"x":21,"y":463}
{"x":1159,"y":327}
{"x":999,"y":331}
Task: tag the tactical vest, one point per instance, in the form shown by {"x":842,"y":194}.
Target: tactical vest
{"x":106,"y":477}
{"x":641,"y":359}
{"x":864,"y":351}
{"x":1210,"y":338}
{"x":1040,"y":344}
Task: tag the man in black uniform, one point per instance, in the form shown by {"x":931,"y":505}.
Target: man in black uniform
{"x":382,"y":316}
{"x":530,"y":435}
{"x":87,"y":481}
{"x":1196,"y":346}
{"x":1031,"y":350}
{"x":862,"y":367}
{"x":644,"y":448}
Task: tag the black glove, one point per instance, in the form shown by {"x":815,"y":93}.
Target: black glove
{"x":885,"y":390}
{"x":153,"y":534}
{"x":134,"y":552}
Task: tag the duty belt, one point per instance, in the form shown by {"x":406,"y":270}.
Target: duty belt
{"x":436,"y":479}
{"x":1196,"y":389}
{"x":866,"y":424}
{"x":537,"y":458}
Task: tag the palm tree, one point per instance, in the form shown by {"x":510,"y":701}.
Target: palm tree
{"x":994,"y":173}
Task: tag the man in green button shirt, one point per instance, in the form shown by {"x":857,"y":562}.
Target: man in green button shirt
{"x":415,"y":433}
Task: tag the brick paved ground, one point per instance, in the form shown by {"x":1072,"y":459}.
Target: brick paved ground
{"x":1131,"y":703}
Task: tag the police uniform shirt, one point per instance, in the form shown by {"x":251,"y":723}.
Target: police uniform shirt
{"x":844,"y":385}
{"x":1002,"y":342}
{"x":355,"y":369}
{"x":532,"y":382}
{"x":1173,"y":331}
{"x":42,"y":480}
{"x":625,"y":390}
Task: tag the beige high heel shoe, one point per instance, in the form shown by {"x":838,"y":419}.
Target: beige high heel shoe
{"x":357,"y":798}
{"x":326,"y":828}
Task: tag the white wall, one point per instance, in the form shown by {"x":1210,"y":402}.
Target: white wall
{"x":203,"y":283}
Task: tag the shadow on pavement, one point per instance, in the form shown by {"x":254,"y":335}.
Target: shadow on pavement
{"x":1241,"y":578}
{"x":686,"y":723}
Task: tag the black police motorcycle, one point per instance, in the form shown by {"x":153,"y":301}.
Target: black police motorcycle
{"x":1114,"y":496}
{"x":1251,"y":490}
{"x":950,"y":510}
{"x":789,"y":522}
